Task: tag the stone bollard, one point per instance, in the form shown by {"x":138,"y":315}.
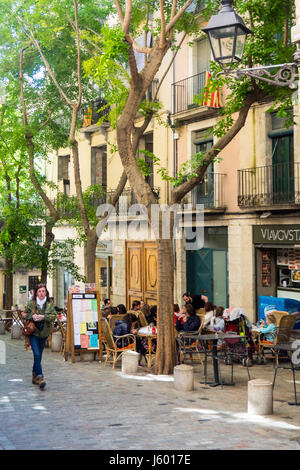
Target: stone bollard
{"x":130,"y":362}
{"x":16,"y":332}
{"x":184,"y":377}
{"x":260,"y":397}
{"x":2,"y":328}
{"x":56,"y":341}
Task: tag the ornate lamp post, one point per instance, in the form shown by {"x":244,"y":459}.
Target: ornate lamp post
{"x":227,"y":34}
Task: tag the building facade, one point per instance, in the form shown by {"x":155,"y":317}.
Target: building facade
{"x":251,"y":199}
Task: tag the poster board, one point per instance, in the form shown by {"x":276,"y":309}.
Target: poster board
{"x":84,"y":330}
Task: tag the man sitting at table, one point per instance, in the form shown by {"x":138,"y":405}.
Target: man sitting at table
{"x":191,"y":321}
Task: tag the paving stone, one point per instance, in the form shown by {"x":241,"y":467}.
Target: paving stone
{"x":89,"y":406}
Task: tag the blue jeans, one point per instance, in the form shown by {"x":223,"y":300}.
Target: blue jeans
{"x":37,"y":345}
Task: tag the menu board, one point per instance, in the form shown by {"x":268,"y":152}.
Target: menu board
{"x":266,"y":268}
{"x":84,"y":318}
{"x":289,"y":257}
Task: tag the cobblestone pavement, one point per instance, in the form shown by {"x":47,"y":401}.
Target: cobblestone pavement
{"x":87,"y":406}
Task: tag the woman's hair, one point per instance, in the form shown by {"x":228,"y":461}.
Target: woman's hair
{"x":130,"y":318}
{"x":153,"y":309}
{"x":209,"y":306}
{"x":146,"y":310}
{"x":176,"y":308}
{"x":190,"y":310}
{"x":39,"y":286}
{"x":219,"y":311}
{"x":121,"y":309}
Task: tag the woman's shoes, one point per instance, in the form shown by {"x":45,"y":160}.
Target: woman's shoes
{"x":39,"y":380}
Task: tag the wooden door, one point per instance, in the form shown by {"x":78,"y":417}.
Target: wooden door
{"x":141,"y":272}
{"x":150,"y":273}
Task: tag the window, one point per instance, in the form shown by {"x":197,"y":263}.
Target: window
{"x":99,"y":166}
{"x":282,"y":161}
{"x":33,"y":281}
{"x":63,"y":167}
{"x":203,"y":193}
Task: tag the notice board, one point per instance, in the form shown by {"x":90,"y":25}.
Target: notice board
{"x":84,"y":330}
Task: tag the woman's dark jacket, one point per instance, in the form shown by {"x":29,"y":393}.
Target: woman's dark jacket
{"x":43,"y":328}
{"x":191,"y":324}
{"x":122,"y":328}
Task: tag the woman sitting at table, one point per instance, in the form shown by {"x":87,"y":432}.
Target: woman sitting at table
{"x":191,"y":321}
{"x":125,"y":326}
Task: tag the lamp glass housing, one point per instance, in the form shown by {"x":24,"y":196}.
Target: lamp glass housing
{"x":227,"y":43}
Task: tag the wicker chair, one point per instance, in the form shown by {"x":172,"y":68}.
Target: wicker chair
{"x":283,"y":334}
{"x":113,"y":351}
{"x":62,"y":329}
{"x":114,"y":318}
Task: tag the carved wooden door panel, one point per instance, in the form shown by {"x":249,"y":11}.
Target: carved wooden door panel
{"x":141,"y":272}
{"x":150,"y":273}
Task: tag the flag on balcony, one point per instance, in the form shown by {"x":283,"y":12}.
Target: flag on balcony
{"x":87,"y":118}
{"x":212,"y":98}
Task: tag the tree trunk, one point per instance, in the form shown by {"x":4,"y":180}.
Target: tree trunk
{"x":49,"y":237}
{"x":8,"y":283}
{"x":166,"y":351}
{"x":90,"y":255}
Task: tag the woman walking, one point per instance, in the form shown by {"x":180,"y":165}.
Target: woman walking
{"x":41,"y":310}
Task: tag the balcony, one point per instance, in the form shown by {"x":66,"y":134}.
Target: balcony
{"x":210,"y":193}
{"x":67,"y":205}
{"x":90,"y":115}
{"x":270,"y":185}
{"x":184,"y":91}
{"x":127,"y":199}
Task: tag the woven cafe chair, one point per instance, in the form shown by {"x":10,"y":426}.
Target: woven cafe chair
{"x":113,"y":351}
{"x":283,"y":334}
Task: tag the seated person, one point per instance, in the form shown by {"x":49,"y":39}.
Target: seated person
{"x":268,"y":329}
{"x":153,"y":315}
{"x":191,"y":321}
{"x":176,"y":313}
{"x":125,"y":326}
{"x":136,"y":305}
{"x":121,"y":309}
{"x":146,"y":309}
{"x":209,"y":313}
{"x":217,"y":322}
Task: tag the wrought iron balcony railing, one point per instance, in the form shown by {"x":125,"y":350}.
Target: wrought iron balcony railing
{"x":210,"y":192}
{"x":128,"y":198}
{"x":184,"y":92}
{"x":92,"y":114}
{"x":269,"y":185}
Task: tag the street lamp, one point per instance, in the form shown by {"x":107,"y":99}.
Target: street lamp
{"x":227,"y":34}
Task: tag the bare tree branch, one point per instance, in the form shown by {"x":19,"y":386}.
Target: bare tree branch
{"x":162,"y":38}
{"x":127,"y":17}
{"x":176,"y":17}
{"x":119,"y":11}
{"x":30,"y":35}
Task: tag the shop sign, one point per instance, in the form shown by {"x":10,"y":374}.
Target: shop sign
{"x":276,"y":234}
{"x":22,"y":289}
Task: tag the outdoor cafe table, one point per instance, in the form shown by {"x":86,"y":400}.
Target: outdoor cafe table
{"x":149,"y":354}
{"x":214,"y":339}
{"x":290,"y":348}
